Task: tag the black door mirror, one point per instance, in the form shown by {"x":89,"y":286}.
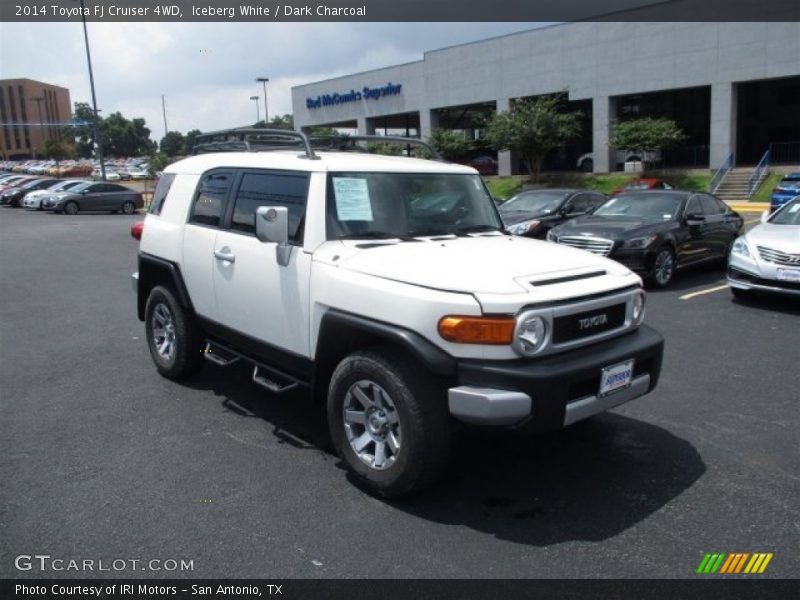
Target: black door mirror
{"x":695,"y":218}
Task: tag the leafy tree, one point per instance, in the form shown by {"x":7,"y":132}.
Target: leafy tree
{"x":56,"y":149}
{"x":157,"y":162}
{"x":646,"y":134}
{"x":122,"y":137}
{"x":450,"y":144}
{"x":83,"y":134}
{"x":533,"y":128}
{"x":173,"y":143}
{"x":277,"y":122}
{"x":188,"y":142}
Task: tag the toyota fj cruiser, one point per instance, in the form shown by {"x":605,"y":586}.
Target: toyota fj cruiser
{"x":387,"y":288}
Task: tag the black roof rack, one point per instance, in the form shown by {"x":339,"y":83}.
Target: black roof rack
{"x":347,"y":143}
{"x":252,"y":140}
{"x":259,"y":140}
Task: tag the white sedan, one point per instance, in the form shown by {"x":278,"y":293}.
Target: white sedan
{"x":767,"y":258}
{"x":34,"y":199}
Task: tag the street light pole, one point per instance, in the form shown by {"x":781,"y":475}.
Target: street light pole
{"x":96,"y":127}
{"x":164,"y":111}
{"x":258,"y":118}
{"x":264,"y":80}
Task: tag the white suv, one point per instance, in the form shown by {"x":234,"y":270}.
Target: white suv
{"x":387,"y":288}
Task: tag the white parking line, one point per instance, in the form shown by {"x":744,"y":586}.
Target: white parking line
{"x":701,"y":292}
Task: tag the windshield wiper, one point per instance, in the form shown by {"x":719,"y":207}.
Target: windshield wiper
{"x":429,"y":232}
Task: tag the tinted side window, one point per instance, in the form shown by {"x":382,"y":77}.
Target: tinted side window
{"x":210,"y":200}
{"x":160,"y":195}
{"x":270,"y":189}
{"x":693,"y":206}
{"x":710,"y":206}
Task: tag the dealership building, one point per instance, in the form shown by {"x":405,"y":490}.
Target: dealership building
{"x":734,"y":89}
{"x":30,"y":113}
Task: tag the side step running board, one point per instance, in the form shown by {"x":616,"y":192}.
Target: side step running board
{"x":274,"y":380}
{"x":220,"y":355}
{"x":269,"y":382}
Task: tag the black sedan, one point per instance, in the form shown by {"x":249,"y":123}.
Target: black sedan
{"x":13,"y":196}
{"x":95,"y":196}
{"x":655,"y":233}
{"x":535,"y":212}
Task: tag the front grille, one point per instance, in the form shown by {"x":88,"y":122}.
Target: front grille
{"x":596,"y":245}
{"x":588,"y":323}
{"x":774,"y":283}
{"x":778,"y":257}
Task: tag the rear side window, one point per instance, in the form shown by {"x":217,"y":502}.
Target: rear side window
{"x":160,"y":195}
{"x":710,"y":205}
{"x":272,"y":188}
{"x":209,"y":202}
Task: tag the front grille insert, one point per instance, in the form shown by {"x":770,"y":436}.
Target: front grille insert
{"x":588,"y":323}
{"x":778,"y":257}
{"x":595,"y":245}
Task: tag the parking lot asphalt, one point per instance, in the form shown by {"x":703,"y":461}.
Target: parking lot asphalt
{"x":101,"y":458}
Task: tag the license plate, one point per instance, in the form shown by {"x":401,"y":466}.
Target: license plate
{"x":789,"y":275}
{"x":615,"y":378}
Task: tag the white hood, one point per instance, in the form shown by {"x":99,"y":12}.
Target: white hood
{"x":495,"y":264}
{"x":785,"y":238}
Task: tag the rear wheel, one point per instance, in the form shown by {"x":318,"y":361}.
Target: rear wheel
{"x":587,"y":166}
{"x":173,"y":338}
{"x":71,"y":208}
{"x":128,"y":207}
{"x":388,"y":421}
{"x":663,"y":267}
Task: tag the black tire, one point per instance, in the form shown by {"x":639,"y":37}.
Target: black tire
{"x":663,"y":268}
{"x":416,"y":411}
{"x":71,"y":208}
{"x":128,"y":208}
{"x":186,"y":356}
{"x":587,"y":166}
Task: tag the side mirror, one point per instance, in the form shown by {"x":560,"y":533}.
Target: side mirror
{"x":764,"y":216}
{"x":272,"y":226}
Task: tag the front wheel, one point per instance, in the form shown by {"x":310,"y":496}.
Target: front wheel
{"x":388,"y":421}
{"x":71,"y":208}
{"x":663,"y":268}
{"x":173,"y":337}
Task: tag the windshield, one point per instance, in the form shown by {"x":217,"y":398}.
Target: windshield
{"x":81,"y":186}
{"x":66,"y":185}
{"x":536,"y":202}
{"x":649,"y":206}
{"x":788,"y":215}
{"x":407,"y":205}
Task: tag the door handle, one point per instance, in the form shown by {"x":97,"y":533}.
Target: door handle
{"x":226,"y":256}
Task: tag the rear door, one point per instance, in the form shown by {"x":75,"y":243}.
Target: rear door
{"x":694,"y":246}
{"x":717,"y":228}
{"x":200,"y":234}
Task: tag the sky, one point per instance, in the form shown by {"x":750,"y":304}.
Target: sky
{"x":207,"y":71}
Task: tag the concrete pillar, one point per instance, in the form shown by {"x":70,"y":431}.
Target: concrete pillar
{"x":503,"y":158}
{"x":604,"y":111}
{"x":365,"y":126}
{"x":428,"y":122}
{"x":723,"y":122}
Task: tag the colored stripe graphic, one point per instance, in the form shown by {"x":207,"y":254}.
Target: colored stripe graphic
{"x":734,"y":563}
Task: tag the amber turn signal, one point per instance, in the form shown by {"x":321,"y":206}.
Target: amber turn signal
{"x":477,"y":330}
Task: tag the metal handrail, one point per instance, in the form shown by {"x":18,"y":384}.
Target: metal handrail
{"x":758,"y":173}
{"x":719,"y":176}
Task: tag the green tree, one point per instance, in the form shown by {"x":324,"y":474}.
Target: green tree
{"x":173,"y":143}
{"x":157,"y":162}
{"x":83,"y":131}
{"x":533,"y":128}
{"x":646,"y":135}
{"x":123,"y":137}
{"x":188,"y":142}
{"x":56,"y":149}
{"x":277,"y":122}
{"x":450,"y":144}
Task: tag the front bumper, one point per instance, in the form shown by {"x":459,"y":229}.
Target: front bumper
{"x":554,"y":391}
{"x":755,"y":274}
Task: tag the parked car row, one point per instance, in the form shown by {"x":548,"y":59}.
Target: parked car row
{"x":652,"y":232}
{"x":116,"y":169}
{"x":69,"y":196}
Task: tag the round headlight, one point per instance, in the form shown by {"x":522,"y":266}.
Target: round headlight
{"x":638,"y":307}
{"x":530,"y":334}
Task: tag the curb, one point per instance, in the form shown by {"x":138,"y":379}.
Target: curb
{"x":752,"y":207}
